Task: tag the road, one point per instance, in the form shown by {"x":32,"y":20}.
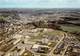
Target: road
{"x":51,"y":53}
{"x":65,"y":50}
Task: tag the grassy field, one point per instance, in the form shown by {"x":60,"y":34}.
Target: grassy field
{"x":3,"y":17}
{"x":70,"y":28}
{"x":48,"y":33}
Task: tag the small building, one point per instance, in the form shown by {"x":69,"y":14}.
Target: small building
{"x":76,"y":49}
{"x":40,"y":48}
{"x":35,"y":47}
{"x":17,"y":36}
{"x":45,"y":41}
{"x":18,"y":40}
{"x":26,"y":38}
{"x":21,"y":51}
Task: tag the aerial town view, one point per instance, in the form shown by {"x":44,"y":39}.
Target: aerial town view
{"x":40,"y":28}
{"x":41,"y":32}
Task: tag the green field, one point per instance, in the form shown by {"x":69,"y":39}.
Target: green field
{"x":70,"y":28}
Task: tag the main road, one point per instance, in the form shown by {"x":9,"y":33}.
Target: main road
{"x":51,"y":53}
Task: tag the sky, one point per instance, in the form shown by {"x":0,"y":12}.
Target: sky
{"x":39,"y":3}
